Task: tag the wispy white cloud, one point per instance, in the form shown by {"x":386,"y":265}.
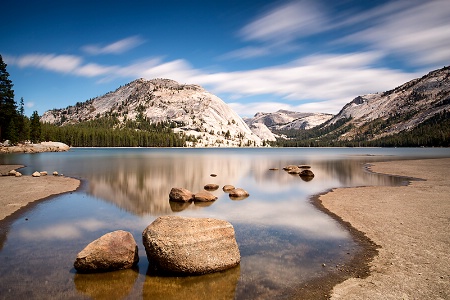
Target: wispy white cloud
{"x":285,"y":23}
{"x":117,"y":47}
{"x":52,"y":62}
{"x":418,"y":32}
{"x":318,"y":83}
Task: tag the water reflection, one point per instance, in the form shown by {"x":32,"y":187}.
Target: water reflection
{"x":111,"y":285}
{"x":142,"y":186}
{"x":282,"y":238}
{"x":221,"y":285}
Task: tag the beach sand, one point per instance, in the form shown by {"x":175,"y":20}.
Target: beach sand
{"x":411,"y":226}
{"x":17,"y":192}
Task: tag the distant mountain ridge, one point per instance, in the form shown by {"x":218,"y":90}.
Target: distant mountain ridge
{"x":210,"y":122}
{"x":263,"y":124}
{"x":197,"y":112}
{"x":400,"y":109}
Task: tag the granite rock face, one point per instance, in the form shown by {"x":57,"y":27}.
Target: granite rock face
{"x":192,"y":246}
{"x":113,"y":251}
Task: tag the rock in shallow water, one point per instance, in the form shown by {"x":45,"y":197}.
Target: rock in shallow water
{"x":180,"y":195}
{"x":113,"y":251}
{"x":190,"y":245}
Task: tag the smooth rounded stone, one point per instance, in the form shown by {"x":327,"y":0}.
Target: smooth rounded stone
{"x":116,"y":250}
{"x":295,"y":171}
{"x":44,"y":173}
{"x":290,"y":167}
{"x":180,"y":195}
{"x":192,"y":246}
{"x":55,"y":173}
{"x":204,"y":196}
{"x":213,"y":175}
{"x":18,"y":174}
{"x":273,"y":169}
{"x":228,"y":188}
{"x":36,"y":174}
{"x":211,"y":187}
{"x":306,"y":173}
{"x":304,"y":167}
{"x":238,"y":194}
{"x":12,"y":173}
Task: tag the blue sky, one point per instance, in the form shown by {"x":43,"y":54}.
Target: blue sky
{"x":302,"y":55}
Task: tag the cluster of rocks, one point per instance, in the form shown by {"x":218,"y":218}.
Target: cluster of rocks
{"x":173,"y":245}
{"x":183,"y":195}
{"x":34,"y":148}
{"x":35,"y":174}
{"x":301,"y":170}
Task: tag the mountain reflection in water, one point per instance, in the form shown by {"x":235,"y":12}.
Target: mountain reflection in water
{"x":283,"y":239}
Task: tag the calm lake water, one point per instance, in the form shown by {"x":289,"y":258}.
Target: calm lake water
{"x":283,"y":238}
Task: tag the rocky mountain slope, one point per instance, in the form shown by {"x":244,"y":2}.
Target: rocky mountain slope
{"x":377,"y":115}
{"x":197,"y":112}
{"x":263,"y":124}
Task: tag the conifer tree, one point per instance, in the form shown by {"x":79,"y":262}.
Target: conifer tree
{"x":35,"y":128}
{"x":7,"y":104}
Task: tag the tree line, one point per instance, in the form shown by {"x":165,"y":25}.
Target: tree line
{"x":14,"y":125}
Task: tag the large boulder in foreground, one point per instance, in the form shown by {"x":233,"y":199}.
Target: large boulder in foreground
{"x":191,"y":246}
{"x":113,"y":251}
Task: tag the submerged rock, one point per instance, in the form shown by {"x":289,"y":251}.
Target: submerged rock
{"x":190,"y":245}
{"x":180,"y":195}
{"x":113,"y":251}
{"x":306,"y":173}
{"x":36,"y":174}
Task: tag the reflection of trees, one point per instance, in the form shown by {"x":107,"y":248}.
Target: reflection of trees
{"x":142,"y":186}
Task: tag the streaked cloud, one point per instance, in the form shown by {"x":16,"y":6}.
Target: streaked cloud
{"x":52,"y":62}
{"x":117,"y":47}
{"x":285,"y":23}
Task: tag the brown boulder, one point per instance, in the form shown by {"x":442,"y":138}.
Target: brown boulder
{"x":227,"y":188}
{"x":180,"y":195}
{"x":306,"y":173}
{"x":113,"y":251}
{"x":204,"y":196}
{"x":290,"y":167}
{"x":190,"y":245}
{"x":238,"y":194}
{"x":211,"y":187}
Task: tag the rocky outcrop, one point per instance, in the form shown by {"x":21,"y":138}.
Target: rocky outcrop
{"x":180,"y":195}
{"x":190,"y":245}
{"x":35,"y":148}
{"x":113,"y":251}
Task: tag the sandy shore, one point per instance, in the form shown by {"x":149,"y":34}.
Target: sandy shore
{"x":411,"y":224}
{"x":17,"y":192}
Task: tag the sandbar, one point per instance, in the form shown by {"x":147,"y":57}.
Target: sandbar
{"x":410,"y":226}
{"x":17,"y":192}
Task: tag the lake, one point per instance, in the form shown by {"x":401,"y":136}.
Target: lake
{"x":283,"y":238}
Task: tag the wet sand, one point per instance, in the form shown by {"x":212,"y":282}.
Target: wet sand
{"x":410,"y":226}
{"x":17,"y":192}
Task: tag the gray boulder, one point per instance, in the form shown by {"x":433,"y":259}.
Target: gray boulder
{"x":180,"y":195}
{"x":192,"y":246}
{"x":113,"y":251}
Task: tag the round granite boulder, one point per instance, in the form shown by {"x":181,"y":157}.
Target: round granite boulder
{"x":190,"y":246}
{"x":116,"y":250}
